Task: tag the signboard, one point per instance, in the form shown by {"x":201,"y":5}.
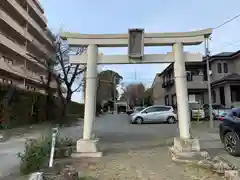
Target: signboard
{"x":136,"y":44}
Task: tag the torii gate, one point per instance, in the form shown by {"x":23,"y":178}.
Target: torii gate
{"x":87,"y":147}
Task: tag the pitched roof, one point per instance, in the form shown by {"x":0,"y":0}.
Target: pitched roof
{"x":224,"y":54}
{"x":233,"y":76}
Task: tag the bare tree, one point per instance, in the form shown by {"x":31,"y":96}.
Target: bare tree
{"x":134,"y":93}
{"x":64,"y":73}
{"x":67,"y":73}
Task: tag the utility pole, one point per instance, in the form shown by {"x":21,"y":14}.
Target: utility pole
{"x":114,"y":95}
{"x":209,"y":82}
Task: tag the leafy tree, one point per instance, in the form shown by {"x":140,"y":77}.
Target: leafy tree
{"x":147,"y":98}
{"x":107,"y":86}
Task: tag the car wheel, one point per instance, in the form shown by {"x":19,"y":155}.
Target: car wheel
{"x":139,"y":120}
{"x":232,"y":144}
{"x":171,"y":120}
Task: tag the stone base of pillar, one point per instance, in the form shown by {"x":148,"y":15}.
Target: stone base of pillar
{"x":187,"y":150}
{"x":87,"y":148}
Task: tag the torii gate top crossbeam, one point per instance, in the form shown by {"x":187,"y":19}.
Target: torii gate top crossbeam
{"x":150,"y":39}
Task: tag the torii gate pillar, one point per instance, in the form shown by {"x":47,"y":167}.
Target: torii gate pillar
{"x":181,"y":91}
{"x":87,"y":147}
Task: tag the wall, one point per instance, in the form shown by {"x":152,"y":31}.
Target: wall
{"x":158,"y":91}
{"x":214,"y":68}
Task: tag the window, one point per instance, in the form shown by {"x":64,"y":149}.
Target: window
{"x":152,"y":109}
{"x":235,"y":114}
{"x":166,"y":100}
{"x":225,"y":67}
{"x":164,"y":79}
{"x":27,"y":87}
{"x":219,"y":67}
{"x":5,"y":81}
{"x":189,"y":76}
{"x":163,"y":108}
{"x":7,"y":60}
{"x":238,"y":114}
{"x":205,"y":106}
{"x":214,"y":96}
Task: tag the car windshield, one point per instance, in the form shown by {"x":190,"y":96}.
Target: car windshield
{"x":194,"y":106}
{"x":137,"y":109}
{"x":217,"y":106}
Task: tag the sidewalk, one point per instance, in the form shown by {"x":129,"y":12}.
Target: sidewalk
{"x":210,"y":141}
{"x":16,"y":143}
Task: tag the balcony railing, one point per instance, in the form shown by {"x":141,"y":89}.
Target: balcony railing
{"x":168,"y":83}
{"x":193,"y":82}
{"x":21,"y":71}
{"x":11,"y":22}
{"x":37,"y":10}
{"x":27,"y":17}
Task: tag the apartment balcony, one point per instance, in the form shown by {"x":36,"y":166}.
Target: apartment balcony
{"x":9,"y":46}
{"x":193,"y":82}
{"x":21,"y":11}
{"x":20,"y":71}
{"x":197,"y":82}
{"x":12,"y":45}
{"x":35,"y":6}
{"x":23,"y":33}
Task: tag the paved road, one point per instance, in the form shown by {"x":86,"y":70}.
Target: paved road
{"x":137,"y":152}
{"x":117,"y":129}
{"x":130,"y":151}
{"x":111,"y":129}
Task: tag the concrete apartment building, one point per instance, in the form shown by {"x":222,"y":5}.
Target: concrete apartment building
{"x":25,"y":44}
{"x":225,"y":81}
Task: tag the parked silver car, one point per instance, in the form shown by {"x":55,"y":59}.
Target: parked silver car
{"x":156,"y":113}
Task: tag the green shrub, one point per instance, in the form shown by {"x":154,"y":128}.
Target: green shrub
{"x":37,"y":152}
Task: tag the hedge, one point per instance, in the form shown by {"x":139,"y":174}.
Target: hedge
{"x":30,"y":107}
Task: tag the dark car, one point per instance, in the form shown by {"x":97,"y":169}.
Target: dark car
{"x":229,"y":131}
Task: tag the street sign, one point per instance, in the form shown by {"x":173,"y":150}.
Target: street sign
{"x":135,"y":44}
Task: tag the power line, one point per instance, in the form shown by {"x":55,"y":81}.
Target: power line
{"x":228,"y":21}
{"x":226,"y":45}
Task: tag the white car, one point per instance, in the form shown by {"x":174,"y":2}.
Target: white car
{"x":156,"y":113}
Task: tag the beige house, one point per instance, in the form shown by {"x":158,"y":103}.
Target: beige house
{"x":25,"y":44}
{"x":225,"y":81}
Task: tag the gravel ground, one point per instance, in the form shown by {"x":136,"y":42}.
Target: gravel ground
{"x":137,"y":152}
{"x":146,"y":163}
